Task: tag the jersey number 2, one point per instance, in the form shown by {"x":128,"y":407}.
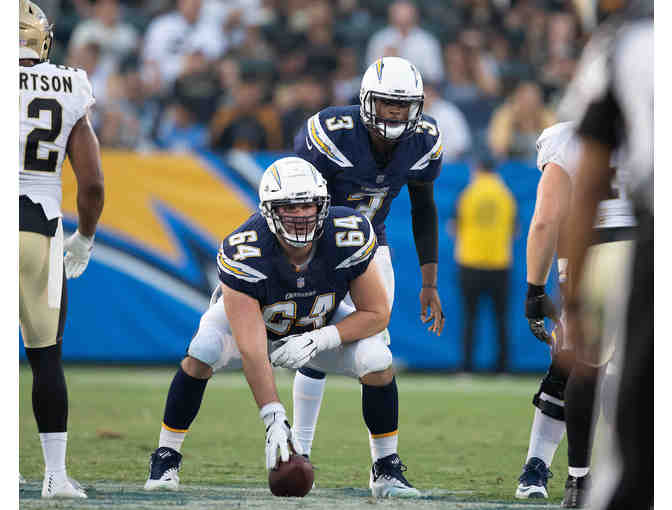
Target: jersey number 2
{"x":37,"y":135}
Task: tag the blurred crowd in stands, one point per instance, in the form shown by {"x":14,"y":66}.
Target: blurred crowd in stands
{"x":245,"y":74}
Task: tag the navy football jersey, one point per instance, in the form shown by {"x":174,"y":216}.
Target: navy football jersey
{"x":336,"y":142}
{"x":251,"y":261}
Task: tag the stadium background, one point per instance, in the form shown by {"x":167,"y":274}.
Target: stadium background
{"x":189,"y":115}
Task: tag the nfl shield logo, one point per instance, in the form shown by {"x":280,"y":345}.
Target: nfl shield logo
{"x":380,"y":179}
{"x":300,"y":282}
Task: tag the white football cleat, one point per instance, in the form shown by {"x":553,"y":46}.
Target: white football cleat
{"x":164,"y":465}
{"x":59,"y":486}
{"x":387,"y":479}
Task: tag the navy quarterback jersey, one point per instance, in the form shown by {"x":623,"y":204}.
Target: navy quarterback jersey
{"x":251,"y":261}
{"x":336,"y":142}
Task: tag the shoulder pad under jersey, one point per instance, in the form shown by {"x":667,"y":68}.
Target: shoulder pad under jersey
{"x":350,"y":239}
{"x":243,"y":254}
{"x":328,"y":129}
{"x":559,"y":144}
{"x":428,"y":137}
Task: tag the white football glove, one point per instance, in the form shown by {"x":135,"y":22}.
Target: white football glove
{"x":278,"y":434}
{"x":297,"y":350}
{"x":77,"y":253}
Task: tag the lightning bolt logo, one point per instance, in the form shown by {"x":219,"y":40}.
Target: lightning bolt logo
{"x":379,"y":69}
{"x":164,"y":215}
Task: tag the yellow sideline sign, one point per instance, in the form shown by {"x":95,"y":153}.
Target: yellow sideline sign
{"x":135,"y":182}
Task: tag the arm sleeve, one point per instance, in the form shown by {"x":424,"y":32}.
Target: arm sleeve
{"x":425,"y":221}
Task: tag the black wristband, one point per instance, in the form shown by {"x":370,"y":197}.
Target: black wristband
{"x":535,"y":290}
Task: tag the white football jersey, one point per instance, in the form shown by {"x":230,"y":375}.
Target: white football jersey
{"x":51,"y":100}
{"x":559,"y":144}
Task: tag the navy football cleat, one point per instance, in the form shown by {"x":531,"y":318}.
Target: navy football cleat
{"x":577,"y":490}
{"x":533,"y":480}
{"x":163,"y":467}
{"x":387,"y":479}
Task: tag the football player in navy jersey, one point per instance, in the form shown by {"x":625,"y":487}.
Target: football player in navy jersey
{"x":367,"y":153}
{"x":284,"y":274}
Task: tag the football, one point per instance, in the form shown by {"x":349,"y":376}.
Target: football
{"x":293,"y":478}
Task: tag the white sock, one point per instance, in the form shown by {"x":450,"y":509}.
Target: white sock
{"x":54,"y":445}
{"x":545,"y":437}
{"x":171,"y":439}
{"x":578,"y":472}
{"x":383,"y":446}
{"x":307,"y":395}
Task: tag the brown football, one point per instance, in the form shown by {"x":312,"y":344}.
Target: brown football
{"x":293,"y":478}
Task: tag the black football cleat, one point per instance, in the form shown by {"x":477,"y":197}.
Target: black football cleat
{"x":387,"y":479}
{"x":164,"y":465}
{"x":577,"y":490}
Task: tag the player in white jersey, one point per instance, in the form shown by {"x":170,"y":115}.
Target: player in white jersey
{"x":53,"y":101}
{"x":612,"y":95}
{"x":570,"y":377}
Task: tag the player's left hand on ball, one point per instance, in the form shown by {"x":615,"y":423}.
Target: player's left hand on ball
{"x":77,"y":254}
{"x":279,"y":434}
{"x":297,"y":350}
{"x":429,"y":298}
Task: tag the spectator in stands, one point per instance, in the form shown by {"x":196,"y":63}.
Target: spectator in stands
{"x":119,"y":126}
{"x":484,"y":230}
{"x":179,"y":129}
{"x":410,"y":41}
{"x":469,"y":78}
{"x":88,"y":58}
{"x":172,"y":36}
{"x":481,"y":63}
{"x":247,"y":123}
{"x":309,"y":95}
{"x":199,"y":86}
{"x":130,"y":113}
{"x":347,"y":78}
{"x":116,"y":39}
{"x":455,"y":132}
{"x":516,"y":124}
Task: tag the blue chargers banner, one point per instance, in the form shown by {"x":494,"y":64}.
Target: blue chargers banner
{"x":153,"y":266}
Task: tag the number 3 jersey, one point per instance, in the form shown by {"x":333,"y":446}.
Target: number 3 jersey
{"x":51,"y":100}
{"x":336,"y":142}
{"x":251,"y":261}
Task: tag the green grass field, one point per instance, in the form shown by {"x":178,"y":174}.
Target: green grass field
{"x":464,"y":441}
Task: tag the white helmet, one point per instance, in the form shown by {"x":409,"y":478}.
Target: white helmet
{"x":392,"y":79}
{"x":293,"y":180}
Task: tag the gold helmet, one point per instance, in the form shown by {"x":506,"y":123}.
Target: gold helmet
{"x":35,"y":35}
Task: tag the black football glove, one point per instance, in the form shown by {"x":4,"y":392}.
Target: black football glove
{"x":538,"y":306}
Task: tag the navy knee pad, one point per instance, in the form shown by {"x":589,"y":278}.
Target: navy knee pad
{"x":553,"y":384}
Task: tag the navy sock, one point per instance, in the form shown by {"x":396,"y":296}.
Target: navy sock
{"x":50,"y":395}
{"x":183,"y":401}
{"x":380,"y":406}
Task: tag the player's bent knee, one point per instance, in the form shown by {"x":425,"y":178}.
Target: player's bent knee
{"x":196,"y":369}
{"x":206,"y":346}
{"x":381,"y":378}
{"x":376,"y":358}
